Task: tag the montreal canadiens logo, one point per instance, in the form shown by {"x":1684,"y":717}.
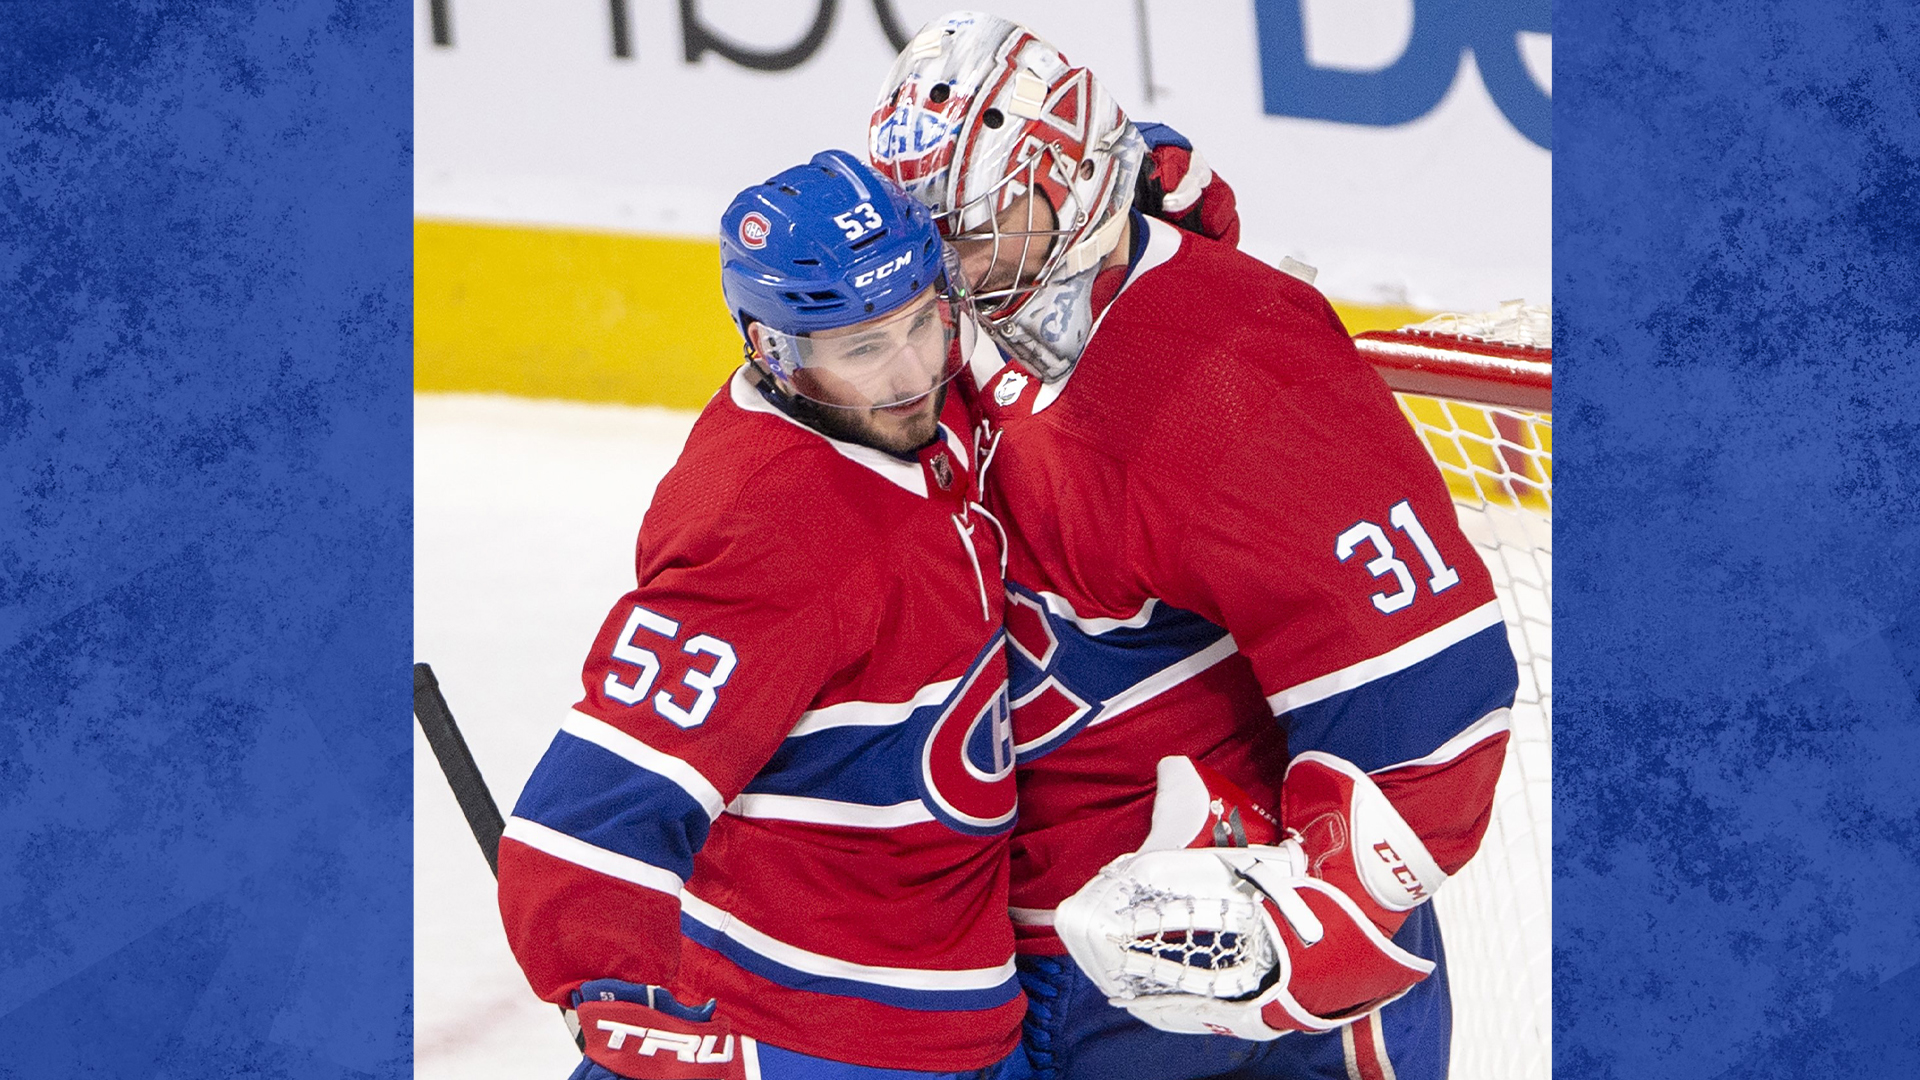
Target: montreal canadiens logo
{"x":908,"y":133}
{"x":966,"y":761}
{"x":754,"y":229}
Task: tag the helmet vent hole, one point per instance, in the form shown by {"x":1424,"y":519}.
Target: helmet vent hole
{"x":806,"y":262}
{"x":1086,"y":169}
{"x":992,"y":118}
{"x":939,"y":93}
{"x":877,"y":234}
{"x":869,"y":305}
{"x":787,"y":190}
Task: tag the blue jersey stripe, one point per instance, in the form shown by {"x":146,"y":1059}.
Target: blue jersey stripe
{"x":1097,"y":666}
{"x":1410,"y":713}
{"x":601,"y":798}
{"x":872,"y":766}
{"x":794,"y":979}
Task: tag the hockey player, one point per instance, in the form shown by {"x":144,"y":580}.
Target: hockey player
{"x":787,"y":791}
{"x":1216,"y":517}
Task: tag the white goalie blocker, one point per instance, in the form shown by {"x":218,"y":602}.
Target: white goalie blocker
{"x":1260,"y":940}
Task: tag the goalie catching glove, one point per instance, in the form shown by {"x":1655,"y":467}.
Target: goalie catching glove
{"x":636,"y":1032}
{"x":1261,"y":940}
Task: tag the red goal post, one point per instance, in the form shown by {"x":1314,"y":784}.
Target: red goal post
{"x":1478,"y":388}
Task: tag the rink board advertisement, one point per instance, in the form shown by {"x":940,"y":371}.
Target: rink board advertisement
{"x":572,"y":158}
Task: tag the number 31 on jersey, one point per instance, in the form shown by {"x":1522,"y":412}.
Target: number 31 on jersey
{"x":1440,"y":576}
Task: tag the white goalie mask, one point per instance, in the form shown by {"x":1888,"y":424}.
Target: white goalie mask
{"x":976,"y":113}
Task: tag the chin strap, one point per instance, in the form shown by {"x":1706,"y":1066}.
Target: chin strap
{"x":1093,"y":249}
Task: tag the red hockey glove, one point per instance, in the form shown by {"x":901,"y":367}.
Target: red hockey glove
{"x":641,"y":1033}
{"x":1196,"y":807}
{"x":1355,"y":840}
{"x":1178,"y":187}
{"x":1252,"y":941}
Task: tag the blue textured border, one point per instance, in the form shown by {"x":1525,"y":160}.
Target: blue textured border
{"x":205,"y":552}
{"x":1737,"y":736}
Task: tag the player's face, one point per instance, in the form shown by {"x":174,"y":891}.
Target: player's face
{"x":892,"y":360}
{"x":898,"y":429}
{"x":1012,"y":254}
{"x":882,"y":380}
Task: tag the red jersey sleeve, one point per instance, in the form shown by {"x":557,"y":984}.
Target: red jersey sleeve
{"x":1307,"y":518}
{"x":694,"y":679}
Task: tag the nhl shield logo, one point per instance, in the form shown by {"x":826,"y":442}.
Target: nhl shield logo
{"x":942,"y":471}
{"x":754,"y":229}
{"x":1009,"y":389}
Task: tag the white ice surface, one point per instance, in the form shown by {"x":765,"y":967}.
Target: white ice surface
{"x":525,"y":514}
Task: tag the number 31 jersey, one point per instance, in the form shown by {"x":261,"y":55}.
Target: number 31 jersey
{"x":789,"y":785}
{"x":1220,"y":518}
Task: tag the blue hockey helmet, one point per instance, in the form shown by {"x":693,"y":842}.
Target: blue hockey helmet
{"x":841,"y":285}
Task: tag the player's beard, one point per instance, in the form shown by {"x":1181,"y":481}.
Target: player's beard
{"x":899,"y":430}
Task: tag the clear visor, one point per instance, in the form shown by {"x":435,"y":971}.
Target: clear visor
{"x":892,"y":360}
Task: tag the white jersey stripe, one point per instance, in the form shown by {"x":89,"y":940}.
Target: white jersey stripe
{"x":1425,"y":647}
{"x":1165,"y":679}
{"x":612,"y":739}
{"x":1094,"y":627}
{"x":1031,"y":916}
{"x":598,"y":859}
{"x":871,"y":713}
{"x":830,"y":967}
{"x":828,"y":811}
{"x":1472,"y":735}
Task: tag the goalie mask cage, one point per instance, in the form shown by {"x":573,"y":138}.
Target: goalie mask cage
{"x":1478,"y":390}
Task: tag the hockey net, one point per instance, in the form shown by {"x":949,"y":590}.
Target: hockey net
{"x":1478,"y":390}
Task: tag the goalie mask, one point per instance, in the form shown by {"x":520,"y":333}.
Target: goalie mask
{"x":978,"y":112}
{"x":840,"y":284}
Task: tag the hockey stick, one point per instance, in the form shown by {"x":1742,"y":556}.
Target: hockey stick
{"x":456,"y":761}
{"x":469,"y":787}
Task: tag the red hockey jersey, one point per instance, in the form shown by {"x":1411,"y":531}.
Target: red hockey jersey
{"x":789,"y":785}
{"x":1219,"y":518}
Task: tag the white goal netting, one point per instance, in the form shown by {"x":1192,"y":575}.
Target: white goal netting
{"x":1492,"y":436}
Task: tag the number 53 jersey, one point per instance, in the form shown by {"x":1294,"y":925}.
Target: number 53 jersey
{"x":1225,"y":542}
{"x":789,"y":785}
